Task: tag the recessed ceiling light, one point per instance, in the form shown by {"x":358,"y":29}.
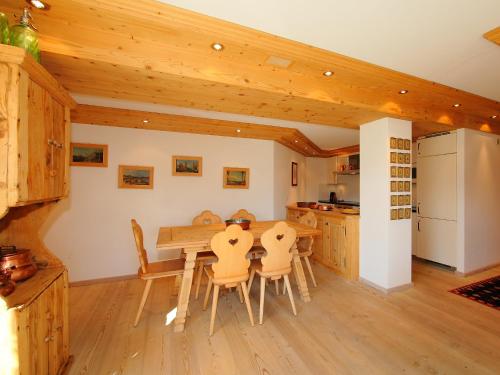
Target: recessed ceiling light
{"x":402,"y":92}
{"x":494,"y":116}
{"x":238,"y":130}
{"x":456,"y":105}
{"x":296,"y":141}
{"x":145,"y":121}
{"x":217,"y":46}
{"x":39,"y":4}
{"x":328,"y":73}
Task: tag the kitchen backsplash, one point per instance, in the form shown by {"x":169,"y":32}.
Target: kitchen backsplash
{"x":347,"y":188}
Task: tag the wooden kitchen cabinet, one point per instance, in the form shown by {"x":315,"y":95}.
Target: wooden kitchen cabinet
{"x":35,"y":132}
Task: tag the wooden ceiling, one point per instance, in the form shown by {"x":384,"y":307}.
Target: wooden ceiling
{"x":493,"y":35}
{"x":151,"y":52}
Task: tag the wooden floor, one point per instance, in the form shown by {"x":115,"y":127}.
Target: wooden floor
{"x":347,"y":328}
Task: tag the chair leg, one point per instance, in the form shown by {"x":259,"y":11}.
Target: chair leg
{"x":287,"y":282}
{"x":240,"y":293}
{"x":143,"y":301}
{"x":262,"y":292}
{"x":198,"y":279}
{"x":284,"y":286}
{"x":214,"y":308}
{"x":250,"y":280}
{"x":308,"y":264}
{"x":207,"y":293}
{"x":247,"y":302}
{"x":277,"y":287}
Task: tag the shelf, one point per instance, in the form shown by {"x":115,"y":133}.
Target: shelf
{"x":347,"y":173}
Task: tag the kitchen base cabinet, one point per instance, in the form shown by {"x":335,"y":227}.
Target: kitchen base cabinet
{"x":38,"y":339}
{"x":338,"y":247}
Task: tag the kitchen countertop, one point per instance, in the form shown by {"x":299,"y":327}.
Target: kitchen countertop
{"x":335,"y":212}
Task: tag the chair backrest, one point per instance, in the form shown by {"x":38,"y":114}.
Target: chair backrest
{"x":139,"y":244}
{"x":231,"y":247}
{"x":278,"y":241}
{"x":207,"y":217}
{"x":244,"y":214}
{"x":309,"y":219}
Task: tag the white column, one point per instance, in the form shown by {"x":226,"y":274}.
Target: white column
{"x":385,"y":244}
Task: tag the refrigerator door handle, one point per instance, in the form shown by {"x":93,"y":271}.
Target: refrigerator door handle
{"x":418,"y":225}
{"x":418,"y":208}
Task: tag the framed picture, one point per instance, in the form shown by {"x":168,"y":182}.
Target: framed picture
{"x":394,"y":171}
{"x":407,"y":200}
{"x":407,"y":213}
{"x":407,"y":158}
{"x":407,"y":172}
{"x":236,"y":178}
{"x":135,"y":177}
{"x":401,"y":172}
{"x":401,"y":200}
{"x":89,"y":155}
{"x":401,"y":186}
{"x":394,"y":186}
{"x":401,"y":158}
{"x":394,"y":143}
{"x":401,"y":213}
{"x":401,"y":144}
{"x":407,"y":144}
{"x":394,"y":200}
{"x":294,"y":173}
{"x":407,"y":186}
{"x":394,"y":157}
{"x":394,"y":214}
{"x":187,"y":165}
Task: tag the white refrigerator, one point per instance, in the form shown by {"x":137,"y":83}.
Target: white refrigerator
{"x":437,"y":199}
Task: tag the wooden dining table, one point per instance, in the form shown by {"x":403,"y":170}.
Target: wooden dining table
{"x":193,"y":239}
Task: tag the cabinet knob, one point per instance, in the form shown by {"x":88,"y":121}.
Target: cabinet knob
{"x":46,"y":339}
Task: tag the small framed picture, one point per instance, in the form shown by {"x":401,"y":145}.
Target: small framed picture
{"x":394,"y":143}
{"x":407,"y":144}
{"x":407,"y":200}
{"x":89,"y":155}
{"x":401,"y":158}
{"x":407,"y":172}
{"x":401,"y":200}
{"x":401,"y":172}
{"x":394,"y":171}
{"x":400,"y":186}
{"x":401,"y":144}
{"x":407,"y":213}
{"x":236,"y":178}
{"x":187,"y":165}
{"x":394,"y":214}
{"x":294,"y":174}
{"x":394,"y":200}
{"x":401,"y":213}
{"x":407,"y":186}
{"x":394,"y":186}
{"x":408,"y":158}
{"x":135,"y":177}
{"x":394,"y":157}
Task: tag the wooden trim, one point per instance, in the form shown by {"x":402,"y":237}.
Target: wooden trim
{"x":174,"y":165}
{"x":122,"y":185}
{"x":229,"y":169}
{"x":104,"y":163}
{"x":386,"y":290}
{"x":102,"y":280}
{"x":477,"y":270}
{"x":493,"y":35}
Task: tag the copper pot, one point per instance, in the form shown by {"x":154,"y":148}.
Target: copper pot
{"x":324,"y":207}
{"x":20,"y":264}
{"x":7,"y":286}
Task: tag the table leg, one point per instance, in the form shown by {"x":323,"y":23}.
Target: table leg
{"x":187,"y":280}
{"x":300,"y":277}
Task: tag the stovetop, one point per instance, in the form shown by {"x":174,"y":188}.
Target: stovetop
{"x":344,"y":203}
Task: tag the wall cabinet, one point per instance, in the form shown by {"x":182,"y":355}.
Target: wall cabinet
{"x":35,"y":132}
{"x":338,"y":247}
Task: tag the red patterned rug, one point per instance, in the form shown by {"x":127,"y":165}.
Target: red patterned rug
{"x":486,"y":292}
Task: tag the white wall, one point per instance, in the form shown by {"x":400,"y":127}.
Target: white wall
{"x":385,"y":245}
{"x":347,"y":187}
{"x":91,"y":230}
{"x":479,"y":200}
{"x":316,"y":177}
{"x":284,"y":193}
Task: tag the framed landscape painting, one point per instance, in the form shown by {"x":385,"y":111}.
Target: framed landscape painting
{"x":187,"y":165}
{"x":135,"y":177}
{"x":89,"y":155}
{"x":236,"y":178}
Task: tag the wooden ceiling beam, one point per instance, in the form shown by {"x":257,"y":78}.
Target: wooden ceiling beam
{"x":493,"y":35}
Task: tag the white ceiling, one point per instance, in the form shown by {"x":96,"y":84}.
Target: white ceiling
{"x":326,"y":137}
{"x":439,"y":40}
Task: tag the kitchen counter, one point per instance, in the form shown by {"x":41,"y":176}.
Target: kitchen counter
{"x":335,"y":212}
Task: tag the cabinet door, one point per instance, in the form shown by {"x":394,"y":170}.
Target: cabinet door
{"x":338,"y":244}
{"x":318,"y":240}
{"x":327,"y":241}
{"x":437,"y":241}
{"x":58,"y":350}
{"x":58,"y":153}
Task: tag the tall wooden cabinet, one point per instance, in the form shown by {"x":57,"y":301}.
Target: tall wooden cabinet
{"x":34,"y":168}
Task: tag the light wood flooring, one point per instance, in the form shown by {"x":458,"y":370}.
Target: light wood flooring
{"x":347,"y":328}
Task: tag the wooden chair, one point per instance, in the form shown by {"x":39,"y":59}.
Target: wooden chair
{"x":305,"y":244}
{"x":151,"y":271}
{"x":205,"y":257}
{"x":231,"y":269}
{"x":277,"y":263}
{"x":244,"y":214}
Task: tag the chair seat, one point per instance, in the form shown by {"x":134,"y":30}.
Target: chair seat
{"x":228,"y":280}
{"x":257,"y":266}
{"x":155,"y":270}
{"x":305,"y":253}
